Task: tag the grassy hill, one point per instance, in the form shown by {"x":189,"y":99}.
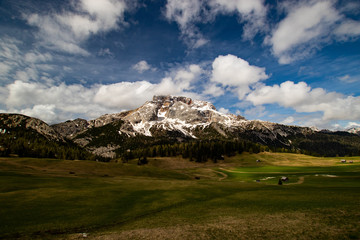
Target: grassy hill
{"x":173,"y":198}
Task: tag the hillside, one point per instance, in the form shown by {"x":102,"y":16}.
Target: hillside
{"x":172,"y":120}
{"x":25,"y":136}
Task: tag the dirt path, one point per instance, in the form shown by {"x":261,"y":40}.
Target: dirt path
{"x":300,"y":181}
{"x":233,"y":171}
{"x":224,"y":175}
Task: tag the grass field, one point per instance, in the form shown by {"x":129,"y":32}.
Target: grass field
{"x":172,"y":198}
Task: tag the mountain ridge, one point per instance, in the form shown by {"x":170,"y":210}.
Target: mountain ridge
{"x":173,"y":119}
{"x":177,"y":119}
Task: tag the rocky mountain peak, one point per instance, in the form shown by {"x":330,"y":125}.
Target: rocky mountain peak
{"x":174,"y":113}
{"x":168,"y":99}
{"x":71,"y":127}
{"x":10,"y":121}
{"x":354,"y":130}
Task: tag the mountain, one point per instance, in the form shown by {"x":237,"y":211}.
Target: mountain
{"x":170,"y":121}
{"x":354,"y":130}
{"x":26,"y":136}
{"x":17,"y":121}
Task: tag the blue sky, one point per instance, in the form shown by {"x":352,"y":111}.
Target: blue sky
{"x":292,"y":62}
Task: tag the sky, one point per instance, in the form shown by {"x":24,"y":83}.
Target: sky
{"x":290,"y":62}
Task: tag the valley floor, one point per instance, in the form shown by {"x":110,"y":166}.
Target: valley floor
{"x":172,"y":198}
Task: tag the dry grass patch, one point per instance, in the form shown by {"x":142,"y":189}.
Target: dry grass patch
{"x":300,"y":160}
{"x":248,"y":226}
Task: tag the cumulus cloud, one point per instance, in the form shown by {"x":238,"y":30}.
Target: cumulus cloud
{"x":236,"y":73}
{"x":308,"y":26}
{"x":43,"y":112}
{"x":130,"y":95}
{"x":142,"y":66}
{"x":186,"y":76}
{"x":66,"y":31}
{"x":306,"y":23}
{"x":54,"y":103}
{"x":188,"y":13}
{"x":213,"y":90}
{"x":303,"y":98}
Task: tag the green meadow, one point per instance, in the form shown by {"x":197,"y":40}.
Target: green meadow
{"x":173,"y":198}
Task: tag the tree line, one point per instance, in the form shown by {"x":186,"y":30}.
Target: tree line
{"x":31,"y":144}
{"x":198,"y":151}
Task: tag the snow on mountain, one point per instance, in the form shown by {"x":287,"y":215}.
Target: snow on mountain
{"x":354,"y":130}
{"x":176,"y":114}
{"x":173,"y":118}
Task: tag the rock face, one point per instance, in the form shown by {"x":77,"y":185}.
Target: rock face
{"x":171,"y":113}
{"x":354,"y":130}
{"x":70,"y":128}
{"x":11,"y":121}
{"x":171,"y":117}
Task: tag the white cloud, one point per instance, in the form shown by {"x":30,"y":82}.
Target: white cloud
{"x":288,"y":120}
{"x":302,"y":98}
{"x":43,"y":112}
{"x":10,"y":56}
{"x":255,"y":112}
{"x":347,"y":29}
{"x":252,"y":12}
{"x":141,"y":66}
{"x":68,"y":30}
{"x":224,"y":110}
{"x":27,"y":94}
{"x":130,"y":95}
{"x":35,"y":57}
{"x":9,"y":48}
{"x":352,"y":125}
{"x":246,"y":8}
{"x":105,"y":52}
{"x":185,"y":77}
{"x":183,"y":12}
{"x":236,"y":73}
{"x":3,"y":94}
{"x":348,"y":79}
{"x":308,"y":26}
{"x":213,"y":90}
{"x":4,"y":69}
{"x":124,"y":95}
{"x":58,"y":102}
{"x":306,"y":23}
{"x":19,"y":64}
{"x":188,"y":13}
